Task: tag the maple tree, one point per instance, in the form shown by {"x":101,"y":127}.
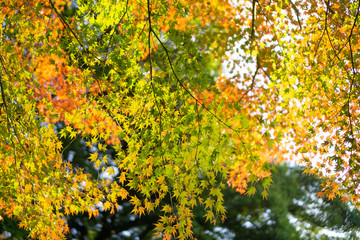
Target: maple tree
{"x":134,"y":77}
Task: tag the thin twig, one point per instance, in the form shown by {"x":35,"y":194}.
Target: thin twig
{"x":297,"y":13}
{"x":253,"y":80}
{"x":151,"y":73}
{"x":253,"y":21}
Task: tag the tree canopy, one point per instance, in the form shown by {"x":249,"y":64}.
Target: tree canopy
{"x":141,"y":84}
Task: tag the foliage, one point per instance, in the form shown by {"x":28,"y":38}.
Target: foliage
{"x":140,"y":83}
{"x":292,"y":211}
